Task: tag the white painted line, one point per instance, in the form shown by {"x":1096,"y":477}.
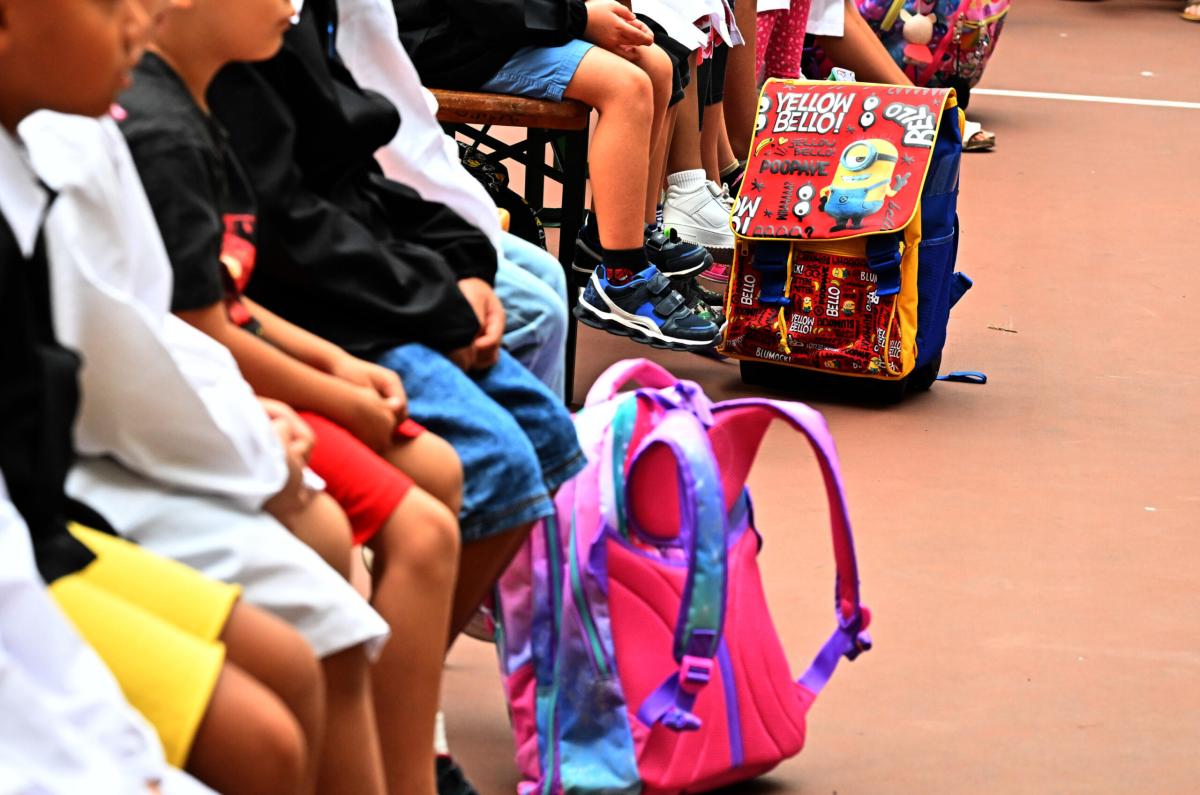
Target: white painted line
{"x":1150,"y":103}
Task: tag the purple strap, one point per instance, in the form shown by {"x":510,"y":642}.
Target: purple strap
{"x":702,"y":532}
{"x":643,"y":371}
{"x":848,"y":642}
{"x":850,"y":638}
{"x":670,"y":705}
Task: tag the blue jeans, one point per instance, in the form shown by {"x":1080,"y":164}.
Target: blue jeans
{"x":533,"y":289}
{"x":539,"y":72}
{"x":514,"y":436}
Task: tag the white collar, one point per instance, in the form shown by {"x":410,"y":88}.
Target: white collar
{"x":23,"y":201}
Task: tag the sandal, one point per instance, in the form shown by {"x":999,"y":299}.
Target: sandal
{"x":1191,"y":12}
{"x":977,"y":139}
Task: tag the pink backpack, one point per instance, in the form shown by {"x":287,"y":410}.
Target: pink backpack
{"x":634,"y":637}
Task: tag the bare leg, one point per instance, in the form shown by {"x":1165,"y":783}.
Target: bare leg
{"x":710,"y":136}
{"x":860,"y":50}
{"x":274,"y":654}
{"x":657,"y":64}
{"x":684,"y":154}
{"x":726,"y":157}
{"x":433,"y":465}
{"x":352,"y":762}
{"x":741,"y":83}
{"x":416,"y":559}
{"x":323,"y":526}
{"x":620,"y":149}
{"x":248,"y":743}
{"x":481,"y":564}
{"x":672,"y":123}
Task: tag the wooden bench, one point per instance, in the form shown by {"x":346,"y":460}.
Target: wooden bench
{"x":561,"y":125}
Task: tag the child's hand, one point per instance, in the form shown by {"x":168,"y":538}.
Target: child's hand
{"x":297,"y":439}
{"x":463,"y":357}
{"x":614,"y":27}
{"x":383,"y":381}
{"x":371,"y":418}
{"x":490,"y":312}
{"x":291,"y":430}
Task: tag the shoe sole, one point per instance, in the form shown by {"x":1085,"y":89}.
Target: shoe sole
{"x":617,"y":321}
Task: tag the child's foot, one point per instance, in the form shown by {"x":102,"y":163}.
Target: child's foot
{"x":664,"y":250}
{"x":704,"y":303}
{"x":450,"y":778}
{"x":644,"y":307}
{"x":673,"y":256}
{"x":977,"y":139}
{"x":699,"y":216}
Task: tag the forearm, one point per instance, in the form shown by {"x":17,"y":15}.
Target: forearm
{"x":860,"y":50}
{"x":270,"y":371}
{"x":300,"y":343}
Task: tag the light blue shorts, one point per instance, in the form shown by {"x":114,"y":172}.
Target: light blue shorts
{"x":539,"y":72}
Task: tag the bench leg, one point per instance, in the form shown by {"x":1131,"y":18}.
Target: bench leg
{"x":535,"y":168}
{"x":574,"y":165}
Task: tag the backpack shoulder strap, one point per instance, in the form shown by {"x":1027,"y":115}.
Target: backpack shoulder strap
{"x":680,"y":441}
{"x":745,"y":422}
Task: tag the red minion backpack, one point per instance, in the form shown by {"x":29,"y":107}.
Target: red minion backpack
{"x":847,"y":237}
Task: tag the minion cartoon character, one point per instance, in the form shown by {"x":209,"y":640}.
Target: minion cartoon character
{"x":806,"y":304}
{"x":861,"y":184}
{"x":875,"y":366}
{"x":849,"y":307}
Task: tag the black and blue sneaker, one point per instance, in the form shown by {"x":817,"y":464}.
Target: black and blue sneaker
{"x":646,"y":309}
{"x":664,"y":250}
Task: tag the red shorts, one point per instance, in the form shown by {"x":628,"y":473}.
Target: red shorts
{"x":366,"y":486}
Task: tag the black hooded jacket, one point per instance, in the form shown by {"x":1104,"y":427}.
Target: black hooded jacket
{"x":461,"y":44}
{"x":342,"y":251}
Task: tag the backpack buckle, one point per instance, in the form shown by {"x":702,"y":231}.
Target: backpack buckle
{"x":694,"y":673}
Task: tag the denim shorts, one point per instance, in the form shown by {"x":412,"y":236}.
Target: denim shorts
{"x":539,"y":72}
{"x":514,"y":436}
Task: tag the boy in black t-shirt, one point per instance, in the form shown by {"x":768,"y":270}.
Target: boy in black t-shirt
{"x":368,"y":264}
{"x":208,"y":216}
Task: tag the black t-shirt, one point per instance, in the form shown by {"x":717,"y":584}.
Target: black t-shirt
{"x":356,"y":258}
{"x":203,"y":203}
{"x":39,"y":394}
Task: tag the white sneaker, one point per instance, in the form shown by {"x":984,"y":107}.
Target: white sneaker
{"x":725,"y":197}
{"x":701,"y":217}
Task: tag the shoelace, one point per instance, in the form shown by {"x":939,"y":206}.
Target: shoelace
{"x":726,"y":200}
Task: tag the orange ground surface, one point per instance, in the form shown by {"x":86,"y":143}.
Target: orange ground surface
{"x":1029,"y":548}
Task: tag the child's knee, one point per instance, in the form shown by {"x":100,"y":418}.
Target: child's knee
{"x":657,"y":64}
{"x":280,"y":753}
{"x":422,"y":536}
{"x":301,"y":678}
{"x":631,"y":89}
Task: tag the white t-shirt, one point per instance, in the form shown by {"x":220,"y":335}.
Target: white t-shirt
{"x":826,"y":18}
{"x":65,"y":727}
{"x":421,"y":155}
{"x":158,"y":395}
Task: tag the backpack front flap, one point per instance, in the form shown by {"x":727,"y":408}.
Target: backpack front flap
{"x":828,"y":222}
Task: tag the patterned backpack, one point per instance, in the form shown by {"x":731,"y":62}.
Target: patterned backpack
{"x":847,"y":237}
{"x":938,"y":43}
{"x":636,"y":647}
